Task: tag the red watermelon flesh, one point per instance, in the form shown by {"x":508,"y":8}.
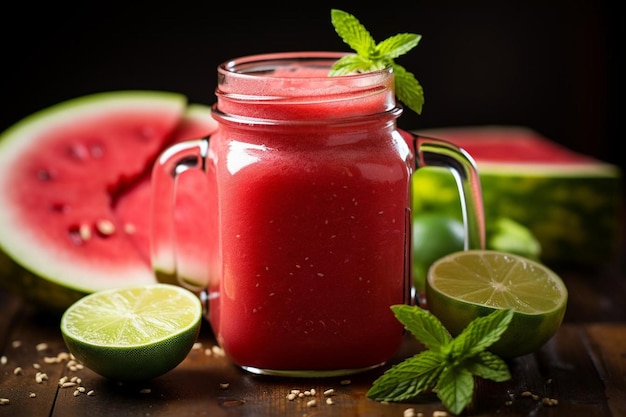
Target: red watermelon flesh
{"x":191,"y":215}
{"x":64,"y":175}
{"x":511,"y":145}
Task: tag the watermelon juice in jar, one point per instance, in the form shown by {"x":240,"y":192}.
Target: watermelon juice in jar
{"x":312,"y":213}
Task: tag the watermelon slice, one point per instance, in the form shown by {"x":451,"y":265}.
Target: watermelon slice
{"x":191,"y":214}
{"x":572,"y":203}
{"x":74,"y":191}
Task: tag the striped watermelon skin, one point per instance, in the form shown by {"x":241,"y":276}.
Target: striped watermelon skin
{"x":572,"y":203}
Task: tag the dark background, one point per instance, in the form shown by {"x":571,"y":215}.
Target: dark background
{"x":548,"y":65}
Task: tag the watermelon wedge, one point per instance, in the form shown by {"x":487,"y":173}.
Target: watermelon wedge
{"x":572,"y":203}
{"x":74,"y":191}
{"x":191,"y":214}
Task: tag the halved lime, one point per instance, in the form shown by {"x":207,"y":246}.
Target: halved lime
{"x":133,"y":333}
{"x":468,"y":284}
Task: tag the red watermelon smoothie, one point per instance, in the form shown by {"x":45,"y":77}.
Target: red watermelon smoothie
{"x":314,"y":208}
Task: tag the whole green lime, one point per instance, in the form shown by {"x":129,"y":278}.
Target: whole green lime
{"x":434,"y":236}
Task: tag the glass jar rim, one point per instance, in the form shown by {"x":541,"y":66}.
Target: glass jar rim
{"x":297,"y":86}
{"x":253,"y":65}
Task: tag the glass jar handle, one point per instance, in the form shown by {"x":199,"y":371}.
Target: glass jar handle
{"x":168,"y":167}
{"x":440,"y":153}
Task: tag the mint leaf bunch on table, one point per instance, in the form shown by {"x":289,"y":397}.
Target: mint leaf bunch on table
{"x":448,"y":365}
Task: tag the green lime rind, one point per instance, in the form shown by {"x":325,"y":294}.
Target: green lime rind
{"x":134,"y":363}
{"x":455,"y":316}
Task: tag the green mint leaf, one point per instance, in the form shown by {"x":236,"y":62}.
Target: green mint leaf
{"x":481,"y":333}
{"x":351,"y":64}
{"x":352,"y":32}
{"x":449,"y":366}
{"x":408,"y":379}
{"x":372,"y":56}
{"x":397,"y":45}
{"x":408,"y":89}
{"x":455,"y":388}
{"x":423,"y":325}
{"x":488,"y":366}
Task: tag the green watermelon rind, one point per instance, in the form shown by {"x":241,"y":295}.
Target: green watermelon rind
{"x":29,"y":270}
{"x":574,"y":211}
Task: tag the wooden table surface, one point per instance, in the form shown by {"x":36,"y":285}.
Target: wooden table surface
{"x":583,"y":367}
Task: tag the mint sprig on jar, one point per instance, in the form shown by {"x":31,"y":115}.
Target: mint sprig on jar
{"x":372,"y":56}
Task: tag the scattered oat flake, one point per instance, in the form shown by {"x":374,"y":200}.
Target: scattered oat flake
{"x":311,"y":403}
{"x":440,"y":414}
{"x":16,"y":343}
{"x":345,"y":382}
{"x":145,"y":391}
{"x":91,"y":393}
{"x":329,"y":401}
{"x":32,"y":395}
{"x":224,"y":385}
{"x":17,"y":370}
{"x":3,"y":360}
{"x":4,"y":401}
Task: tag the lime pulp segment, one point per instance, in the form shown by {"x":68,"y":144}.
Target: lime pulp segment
{"x":500,"y":281}
{"x":132,"y":316}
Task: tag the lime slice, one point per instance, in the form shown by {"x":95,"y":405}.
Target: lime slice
{"x":468,"y":284}
{"x":133,"y":333}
